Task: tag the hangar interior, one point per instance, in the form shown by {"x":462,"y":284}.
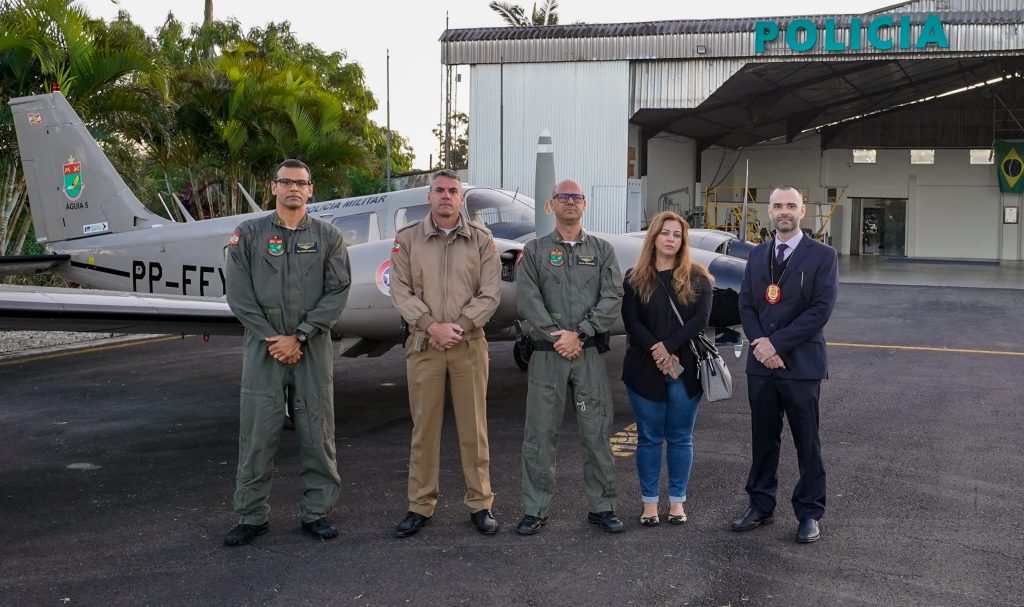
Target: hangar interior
{"x":892,"y":147}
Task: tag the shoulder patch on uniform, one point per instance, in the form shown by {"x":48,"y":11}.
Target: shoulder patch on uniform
{"x":234,"y":238}
{"x":396,"y":247}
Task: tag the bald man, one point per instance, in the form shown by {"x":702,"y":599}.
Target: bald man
{"x":570,"y":291}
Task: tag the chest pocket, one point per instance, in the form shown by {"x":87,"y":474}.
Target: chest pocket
{"x":586,"y":269}
{"x":308,"y":263}
{"x":271,"y":265}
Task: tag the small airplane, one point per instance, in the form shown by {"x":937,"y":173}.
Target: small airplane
{"x":149,"y":274}
{"x":718,"y":241}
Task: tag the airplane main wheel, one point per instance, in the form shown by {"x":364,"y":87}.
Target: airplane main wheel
{"x":522,"y":358}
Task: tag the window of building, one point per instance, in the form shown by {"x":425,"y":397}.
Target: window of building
{"x":359,"y":228}
{"x":865,"y":156}
{"x":982,"y":157}
{"x":922,"y":156}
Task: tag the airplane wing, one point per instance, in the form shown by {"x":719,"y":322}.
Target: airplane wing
{"x":17,"y":265}
{"x":62,"y":309}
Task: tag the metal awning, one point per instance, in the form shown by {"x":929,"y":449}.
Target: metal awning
{"x":705,"y":79}
{"x":763,"y":101}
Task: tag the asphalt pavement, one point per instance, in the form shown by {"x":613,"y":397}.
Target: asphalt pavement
{"x":117,"y":465}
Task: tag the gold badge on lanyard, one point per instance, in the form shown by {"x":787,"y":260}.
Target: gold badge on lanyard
{"x":773,"y":293}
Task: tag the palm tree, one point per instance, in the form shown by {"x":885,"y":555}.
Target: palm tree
{"x":105,"y":70}
{"x":515,"y":15}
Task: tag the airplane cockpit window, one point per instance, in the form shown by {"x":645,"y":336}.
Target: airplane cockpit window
{"x":359,"y":228}
{"x":506,"y":217}
{"x":407,"y":215}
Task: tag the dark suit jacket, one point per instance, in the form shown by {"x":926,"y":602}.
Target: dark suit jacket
{"x":794,"y":324}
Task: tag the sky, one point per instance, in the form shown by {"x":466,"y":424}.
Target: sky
{"x":368,"y":31}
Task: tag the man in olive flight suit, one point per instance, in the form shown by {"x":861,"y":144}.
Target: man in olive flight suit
{"x":288,"y":276}
{"x":570,"y":291}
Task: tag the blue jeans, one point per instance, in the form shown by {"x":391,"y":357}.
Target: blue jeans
{"x":669,"y":422}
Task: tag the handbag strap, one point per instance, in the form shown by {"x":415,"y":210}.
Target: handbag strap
{"x":671,"y":301}
{"x":707,"y":347}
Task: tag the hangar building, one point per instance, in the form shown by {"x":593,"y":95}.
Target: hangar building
{"x":886,"y":121}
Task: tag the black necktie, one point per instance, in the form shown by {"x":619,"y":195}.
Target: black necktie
{"x":780,"y":257}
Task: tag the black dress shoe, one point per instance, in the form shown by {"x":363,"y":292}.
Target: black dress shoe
{"x":243,"y":534}
{"x":320,"y":529}
{"x":530,"y":524}
{"x":752,"y":519}
{"x":808,"y":531}
{"x":607,"y":521}
{"x":484,"y":522}
{"x":411,"y":524}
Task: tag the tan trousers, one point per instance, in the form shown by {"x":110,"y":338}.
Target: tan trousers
{"x":429,"y":372}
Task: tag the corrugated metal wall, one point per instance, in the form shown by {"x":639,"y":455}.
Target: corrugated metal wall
{"x":585,"y":106}
{"x":940,"y":6}
{"x":974,"y":32}
{"x":677,"y":84}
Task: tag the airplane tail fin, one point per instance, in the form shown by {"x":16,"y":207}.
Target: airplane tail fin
{"x":73,"y":190}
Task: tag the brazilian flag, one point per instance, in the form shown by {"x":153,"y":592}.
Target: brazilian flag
{"x":1010,"y":165}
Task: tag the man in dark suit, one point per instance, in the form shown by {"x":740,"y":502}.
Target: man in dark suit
{"x":788,"y":293}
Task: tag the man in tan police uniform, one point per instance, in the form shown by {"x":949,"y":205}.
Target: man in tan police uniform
{"x":446,"y":282}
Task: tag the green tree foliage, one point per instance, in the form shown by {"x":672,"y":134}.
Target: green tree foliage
{"x":515,"y":15}
{"x":259,"y":97}
{"x":459,"y":148}
{"x":193,"y":110}
{"x":105,"y":69}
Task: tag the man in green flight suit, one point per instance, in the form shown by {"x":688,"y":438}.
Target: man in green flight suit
{"x":570,"y":291}
{"x":288,"y":277}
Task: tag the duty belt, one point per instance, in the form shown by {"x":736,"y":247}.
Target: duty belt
{"x":544,"y":345}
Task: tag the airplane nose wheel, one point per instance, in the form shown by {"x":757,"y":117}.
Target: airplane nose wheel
{"x":520,"y":355}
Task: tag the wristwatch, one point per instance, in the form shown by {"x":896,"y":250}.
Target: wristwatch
{"x":302,"y":336}
{"x":581,"y":334}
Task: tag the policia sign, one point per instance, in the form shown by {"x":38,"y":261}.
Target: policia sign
{"x":882,"y":33}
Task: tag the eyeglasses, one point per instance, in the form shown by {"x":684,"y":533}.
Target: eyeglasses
{"x":568,"y":197}
{"x":284,"y":181}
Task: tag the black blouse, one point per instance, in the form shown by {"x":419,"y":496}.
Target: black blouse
{"x":648,"y":323}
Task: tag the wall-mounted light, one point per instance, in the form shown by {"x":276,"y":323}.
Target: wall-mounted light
{"x":702,"y":49}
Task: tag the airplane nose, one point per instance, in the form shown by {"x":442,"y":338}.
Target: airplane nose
{"x":728,"y":272}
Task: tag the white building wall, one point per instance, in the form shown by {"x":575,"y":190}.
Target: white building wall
{"x":954,"y":208}
{"x":670,"y":166}
{"x":585,"y":106}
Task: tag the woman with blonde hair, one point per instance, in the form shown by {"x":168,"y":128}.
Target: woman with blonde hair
{"x":667,"y":303}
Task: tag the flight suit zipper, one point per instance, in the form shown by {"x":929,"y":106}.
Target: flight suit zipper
{"x":570,"y":307}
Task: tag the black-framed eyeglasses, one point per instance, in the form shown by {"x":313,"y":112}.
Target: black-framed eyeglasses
{"x":284,"y":181}
{"x":568,"y":197}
